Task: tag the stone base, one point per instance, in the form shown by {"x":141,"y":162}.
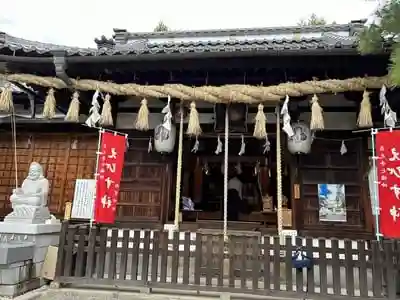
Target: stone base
{"x":23,"y":248}
{"x":28,"y":214}
{"x":14,"y":290}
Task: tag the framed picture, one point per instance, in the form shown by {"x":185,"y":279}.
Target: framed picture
{"x":332,"y":202}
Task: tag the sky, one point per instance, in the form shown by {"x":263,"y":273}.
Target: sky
{"x":78,"y":22}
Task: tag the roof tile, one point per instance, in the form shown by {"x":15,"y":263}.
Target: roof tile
{"x":254,"y":40}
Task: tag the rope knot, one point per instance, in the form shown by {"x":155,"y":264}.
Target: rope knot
{"x":144,"y":101}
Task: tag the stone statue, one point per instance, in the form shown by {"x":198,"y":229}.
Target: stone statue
{"x":29,"y":202}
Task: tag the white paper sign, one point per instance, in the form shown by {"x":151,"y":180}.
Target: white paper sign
{"x":82,"y":205}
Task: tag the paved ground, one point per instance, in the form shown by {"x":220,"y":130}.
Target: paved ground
{"x":85,"y":294}
{"x":72,"y":294}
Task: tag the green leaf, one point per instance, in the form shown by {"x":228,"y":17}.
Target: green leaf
{"x":394,"y":67}
{"x":370,"y":40}
{"x":390,"y":17}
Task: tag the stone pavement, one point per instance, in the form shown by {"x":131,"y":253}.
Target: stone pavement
{"x":46,"y":293}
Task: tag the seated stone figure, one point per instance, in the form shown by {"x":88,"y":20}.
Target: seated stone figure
{"x":29,"y":202}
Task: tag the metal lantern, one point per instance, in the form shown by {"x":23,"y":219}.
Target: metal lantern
{"x":164,"y":139}
{"x":301,"y":140}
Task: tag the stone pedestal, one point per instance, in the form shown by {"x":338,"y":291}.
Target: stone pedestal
{"x":23,"y":249}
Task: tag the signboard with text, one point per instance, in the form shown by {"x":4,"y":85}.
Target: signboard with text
{"x":111,"y":161}
{"x":388,"y":172}
{"x":82,"y":205}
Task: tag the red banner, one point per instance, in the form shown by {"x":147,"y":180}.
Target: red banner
{"x":111,"y":162}
{"x":388,"y":172}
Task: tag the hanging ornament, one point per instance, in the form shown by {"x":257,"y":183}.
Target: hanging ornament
{"x":49,"y":108}
{"x":6,"y":99}
{"x":195,"y":146}
{"x":73,"y":110}
{"x":206,"y":169}
{"x":219,"y":146}
{"x":343,"y":148}
{"x":74,"y":144}
{"x":238,"y":168}
{"x":257,"y":169}
{"x":317,"y":117}
{"x":165,"y":133}
{"x":29,"y":142}
{"x":267,"y":145}
{"x":142,"y":118}
{"x":260,"y":130}
{"x":150,"y":146}
{"x":167,"y":123}
{"x":94,"y":115}
{"x":106,"y":118}
{"x":312,"y":137}
{"x":389,"y":116}
{"x":300,"y":142}
{"x":286,"y":118}
{"x":242,"y":147}
{"x":127,"y":145}
{"x":194,"y":128}
{"x":364,"y":116}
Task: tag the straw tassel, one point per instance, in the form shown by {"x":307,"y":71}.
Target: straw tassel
{"x":365,"y":116}
{"x":6,"y":99}
{"x":106,"y":118}
{"x":317,"y":118}
{"x":73,"y":110}
{"x":194,"y":128}
{"x":142,"y":119}
{"x":260,"y":131}
{"x":49,"y":109}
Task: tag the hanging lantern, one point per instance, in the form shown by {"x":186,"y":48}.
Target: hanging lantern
{"x":300,"y":142}
{"x":164,"y":139}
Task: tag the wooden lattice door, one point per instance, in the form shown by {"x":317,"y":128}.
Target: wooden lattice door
{"x":144,"y":186}
{"x":326,"y":164}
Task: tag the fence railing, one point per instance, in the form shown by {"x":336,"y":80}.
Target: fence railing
{"x":251,"y":263}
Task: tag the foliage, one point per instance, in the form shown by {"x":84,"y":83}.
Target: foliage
{"x":313,"y":20}
{"x":374,"y":37}
{"x":161,"y":27}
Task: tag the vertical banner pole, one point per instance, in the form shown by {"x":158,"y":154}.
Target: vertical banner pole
{"x":226,"y":173}
{"x":179,"y":170}
{"x":279,"y":173}
{"x":96,"y":175}
{"x":375,"y":195}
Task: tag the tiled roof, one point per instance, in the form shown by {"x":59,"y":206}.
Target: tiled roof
{"x":238,"y":40}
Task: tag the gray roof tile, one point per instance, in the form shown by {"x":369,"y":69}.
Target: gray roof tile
{"x":238,"y":40}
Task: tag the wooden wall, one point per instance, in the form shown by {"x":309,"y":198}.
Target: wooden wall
{"x":64,"y":158}
{"x":325,"y":164}
{"x":145,"y":187}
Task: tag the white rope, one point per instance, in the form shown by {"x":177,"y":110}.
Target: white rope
{"x":226,"y":174}
{"x":14,"y":134}
{"x":279,"y":173}
{"x":179,"y":171}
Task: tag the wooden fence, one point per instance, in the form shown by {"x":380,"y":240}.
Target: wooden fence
{"x":252,"y":264}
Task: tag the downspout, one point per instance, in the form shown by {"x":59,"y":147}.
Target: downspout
{"x":60,"y":66}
